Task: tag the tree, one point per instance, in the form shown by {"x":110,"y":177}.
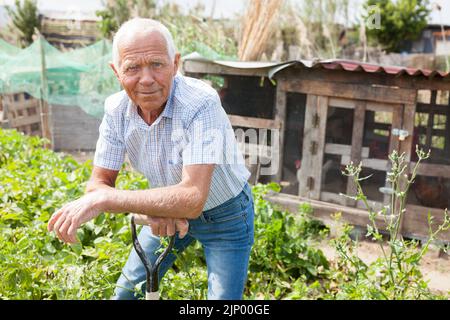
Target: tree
{"x":117,"y":12}
{"x":400,"y":21}
{"x":25,"y":19}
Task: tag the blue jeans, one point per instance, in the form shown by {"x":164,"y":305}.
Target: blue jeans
{"x":226,"y":233}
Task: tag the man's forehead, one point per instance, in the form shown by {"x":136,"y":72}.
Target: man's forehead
{"x":152,"y":38}
{"x":144,"y":58}
{"x":144,"y":45}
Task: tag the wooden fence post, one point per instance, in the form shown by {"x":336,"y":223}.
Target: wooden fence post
{"x":43,"y":104}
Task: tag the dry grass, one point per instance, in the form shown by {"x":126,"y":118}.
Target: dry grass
{"x":257,"y":28}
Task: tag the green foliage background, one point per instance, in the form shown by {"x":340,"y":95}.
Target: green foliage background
{"x":34,"y":264}
{"x":25,"y":18}
{"x":285,"y":262}
{"x":400,"y":20}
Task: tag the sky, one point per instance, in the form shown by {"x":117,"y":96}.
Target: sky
{"x":222,"y":8}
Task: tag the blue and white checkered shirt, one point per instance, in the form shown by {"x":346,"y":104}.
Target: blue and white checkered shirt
{"x":192,"y":129}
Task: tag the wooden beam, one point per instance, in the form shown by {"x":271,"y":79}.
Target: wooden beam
{"x":350,"y":91}
{"x":342,"y":76}
{"x":313,"y":146}
{"x":432,"y":170}
{"x":406,"y":146}
{"x":415,"y":223}
{"x":306,"y":182}
{"x":323,"y":211}
{"x":430,"y":119}
{"x":344,"y":150}
{"x":370,"y":105}
{"x":331,"y":197}
{"x":207,"y":67}
{"x":334,"y":198}
{"x":437,"y":109}
{"x":252,"y":122}
{"x":434,"y":132}
{"x":357,"y":142}
{"x":425,"y":169}
{"x":394,"y":144}
{"x":24,"y":121}
{"x":447,"y":130}
{"x":43,"y":105}
{"x":280,"y":118}
{"x":372,"y":163}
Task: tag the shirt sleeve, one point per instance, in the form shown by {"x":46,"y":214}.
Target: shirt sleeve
{"x":110,"y":149}
{"x":207,"y":134}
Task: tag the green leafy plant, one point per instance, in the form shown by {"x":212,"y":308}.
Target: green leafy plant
{"x":34,"y":264}
{"x":399,"y":21}
{"x":284,"y":250}
{"x":396,"y":274}
{"x":25,"y":18}
{"x":115,"y":13}
{"x":212,"y":39}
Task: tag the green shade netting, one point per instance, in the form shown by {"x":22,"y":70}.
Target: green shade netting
{"x":79,"y":77}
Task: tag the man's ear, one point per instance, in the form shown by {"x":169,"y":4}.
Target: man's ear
{"x":115,"y":70}
{"x":176,"y":63}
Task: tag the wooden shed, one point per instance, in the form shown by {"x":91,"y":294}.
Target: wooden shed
{"x":328,"y":113}
{"x":70,"y":29}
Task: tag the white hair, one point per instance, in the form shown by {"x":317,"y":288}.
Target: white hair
{"x":140,"y":26}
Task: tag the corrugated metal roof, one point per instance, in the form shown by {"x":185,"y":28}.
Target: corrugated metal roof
{"x":350,"y":65}
{"x":330,"y":64}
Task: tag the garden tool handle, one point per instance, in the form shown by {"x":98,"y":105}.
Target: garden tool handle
{"x":137,"y":246}
{"x":152,"y":295}
{"x":152,"y":271}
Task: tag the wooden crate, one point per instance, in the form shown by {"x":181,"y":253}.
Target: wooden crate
{"x":21,"y":112}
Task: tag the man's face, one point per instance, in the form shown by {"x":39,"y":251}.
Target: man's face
{"x":146,"y":71}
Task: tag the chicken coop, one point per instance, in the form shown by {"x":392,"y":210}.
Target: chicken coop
{"x":312,"y":118}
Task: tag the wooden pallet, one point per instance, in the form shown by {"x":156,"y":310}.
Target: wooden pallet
{"x":21,"y":112}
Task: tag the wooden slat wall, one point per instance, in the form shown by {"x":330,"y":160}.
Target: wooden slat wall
{"x":350,"y":91}
{"x":280,"y":117}
{"x":22,"y":113}
{"x":70,"y":33}
{"x":72,"y":128}
{"x":362,"y":92}
{"x":251,"y":122}
{"x":357,"y":144}
{"x":313,"y":146}
{"x":415,"y":224}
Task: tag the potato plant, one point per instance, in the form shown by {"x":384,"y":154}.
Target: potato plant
{"x":34,"y":264}
{"x":285,"y":262}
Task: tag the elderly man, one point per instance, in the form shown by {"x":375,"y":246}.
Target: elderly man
{"x":176,"y":133}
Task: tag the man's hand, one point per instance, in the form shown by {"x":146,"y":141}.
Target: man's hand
{"x":70,"y":217}
{"x":163,"y":226}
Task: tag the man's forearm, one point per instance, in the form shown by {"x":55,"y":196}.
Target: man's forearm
{"x":176,"y":201}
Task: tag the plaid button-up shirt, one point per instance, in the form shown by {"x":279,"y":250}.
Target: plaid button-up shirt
{"x":192,"y":129}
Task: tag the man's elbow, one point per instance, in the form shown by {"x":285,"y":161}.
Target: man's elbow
{"x":196,"y":205}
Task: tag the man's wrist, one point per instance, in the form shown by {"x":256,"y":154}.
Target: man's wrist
{"x":104,"y":199}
